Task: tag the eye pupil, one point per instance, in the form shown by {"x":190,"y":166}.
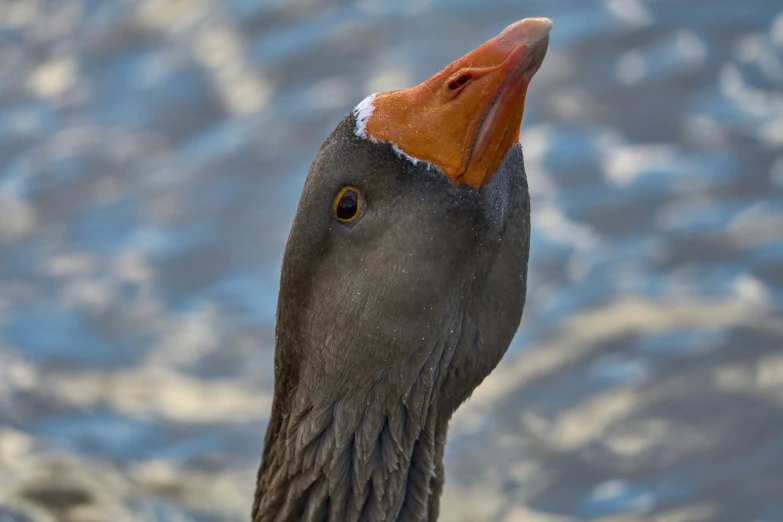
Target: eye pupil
{"x":347,"y":205}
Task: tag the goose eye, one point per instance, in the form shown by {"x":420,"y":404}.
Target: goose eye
{"x":347,"y":204}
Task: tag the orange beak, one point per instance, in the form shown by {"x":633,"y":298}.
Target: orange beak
{"x":465,"y":118}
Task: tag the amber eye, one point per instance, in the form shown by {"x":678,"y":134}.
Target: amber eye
{"x":347,"y":204}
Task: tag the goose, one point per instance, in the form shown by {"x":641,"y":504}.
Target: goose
{"x":402,"y":285}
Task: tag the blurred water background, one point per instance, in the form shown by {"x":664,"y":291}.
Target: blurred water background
{"x":151,"y":158}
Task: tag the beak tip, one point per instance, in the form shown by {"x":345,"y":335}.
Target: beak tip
{"x":544,"y":21}
{"x":527,"y":31}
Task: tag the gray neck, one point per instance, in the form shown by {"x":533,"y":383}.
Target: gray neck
{"x":390,"y":469}
{"x":368,"y":456}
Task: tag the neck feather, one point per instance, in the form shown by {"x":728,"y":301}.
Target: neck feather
{"x":371,"y":456}
{"x":384,"y":470}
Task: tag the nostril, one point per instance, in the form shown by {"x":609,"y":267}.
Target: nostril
{"x":459,"y":82}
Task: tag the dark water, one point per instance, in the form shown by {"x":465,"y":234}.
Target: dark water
{"x":151,"y":157}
